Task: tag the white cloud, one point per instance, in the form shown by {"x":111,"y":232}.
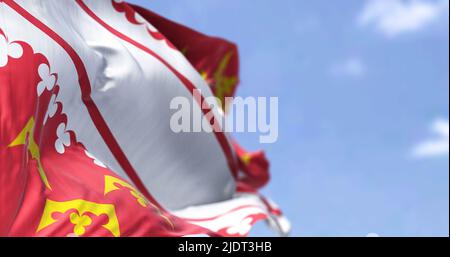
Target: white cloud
{"x":372,"y":235}
{"x":394,"y":17}
{"x":437,"y":146}
{"x":351,"y":67}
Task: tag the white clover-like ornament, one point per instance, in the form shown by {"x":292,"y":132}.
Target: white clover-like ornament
{"x":242,"y":228}
{"x":7,"y":49}
{"x":51,"y":109}
{"x":48,"y":80}
{"x":96,"y":161}
{"x":63,"y":138}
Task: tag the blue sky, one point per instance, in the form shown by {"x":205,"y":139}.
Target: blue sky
{"x":363,"y":90}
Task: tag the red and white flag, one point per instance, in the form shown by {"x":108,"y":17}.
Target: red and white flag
{"x":86,"y":147}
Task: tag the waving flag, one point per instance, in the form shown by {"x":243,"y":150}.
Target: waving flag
{"x":86,"y":147}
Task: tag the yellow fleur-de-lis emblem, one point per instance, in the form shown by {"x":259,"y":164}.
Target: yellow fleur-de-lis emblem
{"x":224,"y":84}
{"x":79,"y":218}
{"x":111,"y":185}
{"x":26,"y":137}
{"x":246,"y":158}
